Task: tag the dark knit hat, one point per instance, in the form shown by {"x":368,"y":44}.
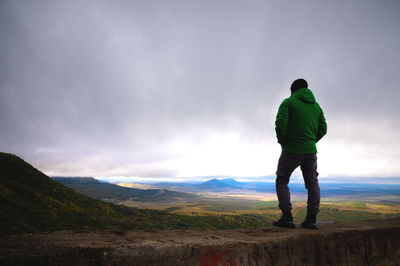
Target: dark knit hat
{"x":297,"y":84}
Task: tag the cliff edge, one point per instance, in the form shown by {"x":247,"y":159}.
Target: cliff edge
{"x":363,"y":243}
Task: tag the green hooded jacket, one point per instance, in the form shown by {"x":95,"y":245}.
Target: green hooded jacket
{"x":300,"y":123}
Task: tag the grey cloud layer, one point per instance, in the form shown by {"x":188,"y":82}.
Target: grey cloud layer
{"x":121,"y":79}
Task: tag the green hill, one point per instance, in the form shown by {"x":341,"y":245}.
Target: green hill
{"x":105,"y":191}
{"x":30,"y":201}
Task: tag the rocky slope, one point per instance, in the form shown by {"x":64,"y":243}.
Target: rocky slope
{"x":363,"y":243}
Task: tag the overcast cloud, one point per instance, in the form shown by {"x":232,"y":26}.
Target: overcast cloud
{"x":191,"y":88}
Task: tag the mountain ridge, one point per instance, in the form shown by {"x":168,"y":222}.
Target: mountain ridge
{"x":94,"y":188}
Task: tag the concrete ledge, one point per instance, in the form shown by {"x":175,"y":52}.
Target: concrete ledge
{"x":363,"y":243}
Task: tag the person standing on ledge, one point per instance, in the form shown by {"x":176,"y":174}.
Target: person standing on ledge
{"x":299,"y":125}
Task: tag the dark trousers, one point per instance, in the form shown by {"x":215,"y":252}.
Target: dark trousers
{"x":288,"y":162}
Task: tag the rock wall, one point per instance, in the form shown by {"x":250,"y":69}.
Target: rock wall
{"x":366,"y":243}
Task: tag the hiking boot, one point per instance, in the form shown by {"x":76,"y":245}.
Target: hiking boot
{"x":310,"y":222}
{"x":286,"y":220}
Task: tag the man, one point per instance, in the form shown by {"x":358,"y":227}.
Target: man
{"x":300,"y":124}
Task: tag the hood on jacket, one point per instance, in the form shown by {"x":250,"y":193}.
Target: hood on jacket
{"x":304,"y":95}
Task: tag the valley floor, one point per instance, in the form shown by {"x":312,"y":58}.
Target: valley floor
{"x":332,"y":210}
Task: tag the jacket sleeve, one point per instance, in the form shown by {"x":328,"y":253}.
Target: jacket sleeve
{"x":281,"y":122}
{"x":322,"y":126}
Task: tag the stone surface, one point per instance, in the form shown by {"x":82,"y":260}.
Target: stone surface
{"x":363,"y":243}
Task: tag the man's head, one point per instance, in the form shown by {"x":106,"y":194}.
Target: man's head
{"x":298,"y":84}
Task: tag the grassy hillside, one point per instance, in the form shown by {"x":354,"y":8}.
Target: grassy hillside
{"x":106,"y":191}
{"x":30,"y":201}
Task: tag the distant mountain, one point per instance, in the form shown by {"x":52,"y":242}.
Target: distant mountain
{"x":347,"y":190}
{"x":219,"y":185}
{"x":232,"y":182}
{"x":114,"y":193}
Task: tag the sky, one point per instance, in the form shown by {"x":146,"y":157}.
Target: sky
{"x":180,"y":90}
